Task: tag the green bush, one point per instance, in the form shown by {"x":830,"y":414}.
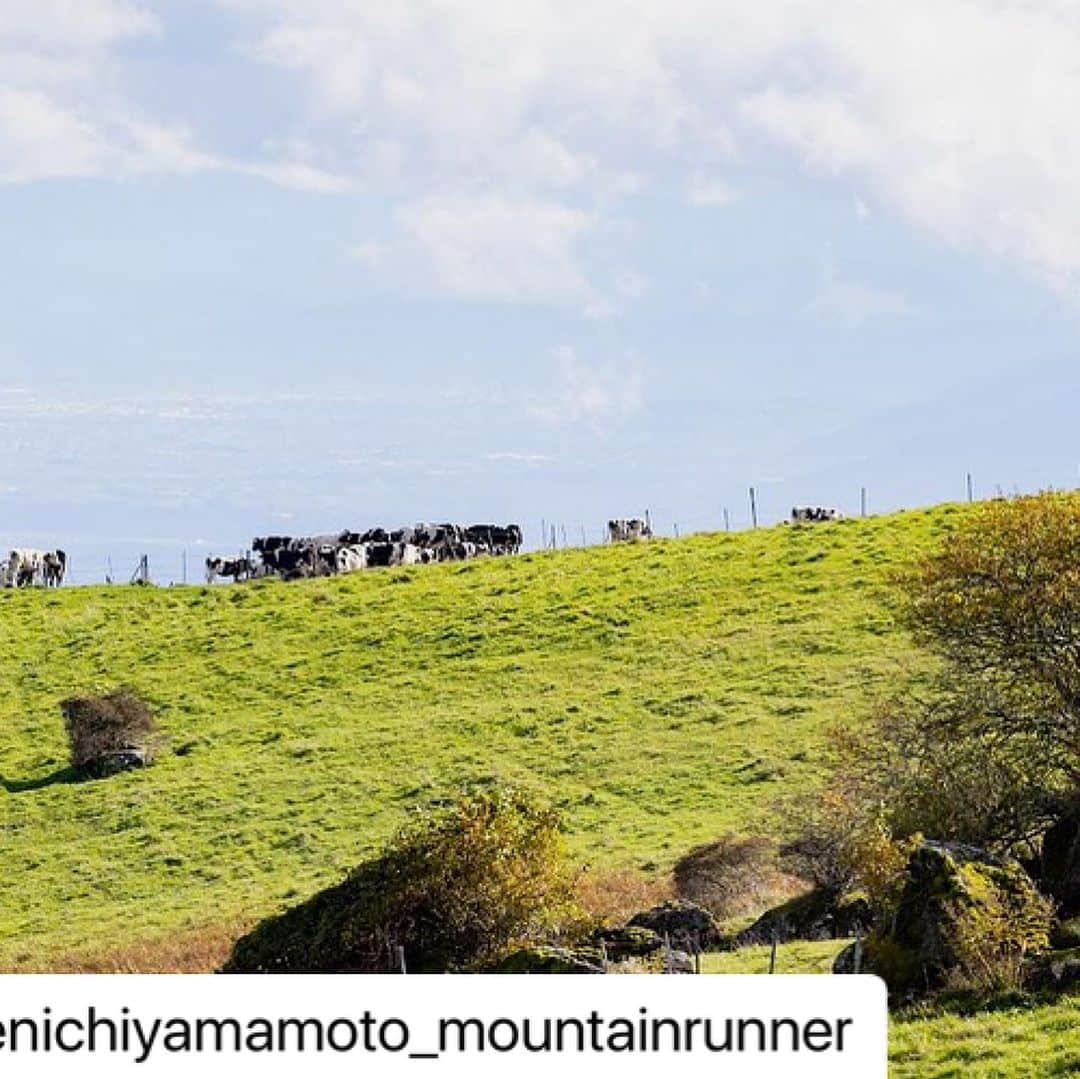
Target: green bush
{"x":456,"y":889}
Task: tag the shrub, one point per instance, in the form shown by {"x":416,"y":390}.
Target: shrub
{"x":733,"y":875}
{"x":615,"y":895}
{"x":98,"y":727}
{"x":456,"y":889}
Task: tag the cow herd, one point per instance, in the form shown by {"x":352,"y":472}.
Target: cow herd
{"x":293,"y":557}
{"x":25,"y":567}
{"x":815,"y":515}
{"x":628,"y":530}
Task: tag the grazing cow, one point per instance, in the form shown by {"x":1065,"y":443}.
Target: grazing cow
{"x":351,"y":558}
{"x":406,"y":554}
{"x":379,"y":554}
{"x":25,"y":566}
{"x":627,"y":530}
{"x":815,"y":514}
{"x":239,"y":569}
{"x":55,"y":568}
{"x":346,"y":551}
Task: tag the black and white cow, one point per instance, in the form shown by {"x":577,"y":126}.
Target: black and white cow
{"x":815,"y":514}
{"x":55,"y":568}
{"x":25,"y":566}
{"x":351,"y":558}
{"x":628,"y":529}
{"x":239,"y":569}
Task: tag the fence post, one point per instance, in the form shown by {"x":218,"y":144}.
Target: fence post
{"x":863,"y":501}
{"x":753,"y":506}
{"x":727,"y":520}
{"x":399,"y":951}
{"x":772,"y":953}
{"x":970,"y":488}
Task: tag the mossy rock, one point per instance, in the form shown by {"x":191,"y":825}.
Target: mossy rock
{"x":959,"y":902}
{"x":628,"y":942}
{"x":683,"y":923}
{"x":544,"y":959}
{"x":816,"y":915}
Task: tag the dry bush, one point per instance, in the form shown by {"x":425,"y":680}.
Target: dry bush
{"x":100,"y":725}
{"x":199,"y":950}
{"x":734,"y":875}
{"x":617,"y":895}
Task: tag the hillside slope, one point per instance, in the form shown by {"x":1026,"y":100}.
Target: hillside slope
{"x":658,"y":694}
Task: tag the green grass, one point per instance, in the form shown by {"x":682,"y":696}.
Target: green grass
{"x":659,"y":694}
{"x":1022,"y":1038}
{"x":794,"y":957}
{"x":1014,"y":1037}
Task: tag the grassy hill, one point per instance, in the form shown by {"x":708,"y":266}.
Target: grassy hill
{"x":659,"y":694}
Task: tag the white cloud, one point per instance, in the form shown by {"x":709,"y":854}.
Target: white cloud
{"x":74,"y":24}
{"x":597,"y":394}
{"x":957,"y":116}
{"x":61,"y":114}
{"x":492,"y":249}
{"x":519,"y":457}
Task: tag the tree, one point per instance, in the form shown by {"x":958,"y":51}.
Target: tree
{"x":999,"y":603}
{"x":985,"y":749}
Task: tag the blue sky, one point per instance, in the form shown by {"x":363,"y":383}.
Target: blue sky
{"x":284,"y":265}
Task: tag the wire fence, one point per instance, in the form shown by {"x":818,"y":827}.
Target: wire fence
{"x":168,"y":565}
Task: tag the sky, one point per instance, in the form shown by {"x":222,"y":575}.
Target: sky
{"x":299,"y":265}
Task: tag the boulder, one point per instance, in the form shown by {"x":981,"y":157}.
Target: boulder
{"x":844,"y":963}
{"x":680,"y":922}
{"x":544,"y":959}
{"x":118,"y":760}
{"x":816,"y":915}
{"x":677,"y":962}
{"x":628,"y":942}
{"x":1059,"y":864}
{"x":960,"y":908}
